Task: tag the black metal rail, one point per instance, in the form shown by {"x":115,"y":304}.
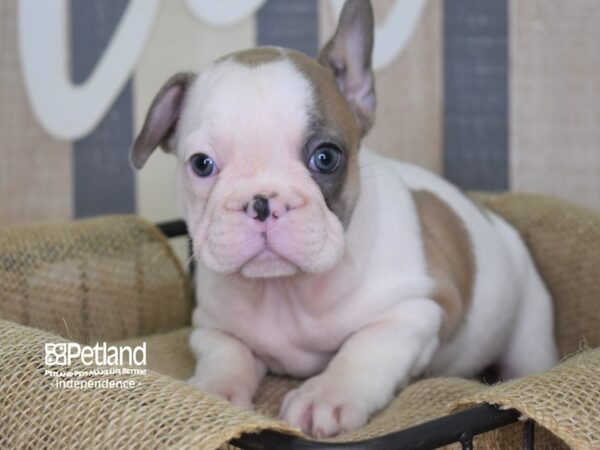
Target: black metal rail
{"x":173,"y":228}
{"x":460,"y":427}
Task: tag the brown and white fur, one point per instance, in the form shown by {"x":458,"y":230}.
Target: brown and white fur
{"x":360,"y":279}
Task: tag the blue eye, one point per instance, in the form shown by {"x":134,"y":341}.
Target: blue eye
{"x":202,"y":165}
{"x":325,"y":159}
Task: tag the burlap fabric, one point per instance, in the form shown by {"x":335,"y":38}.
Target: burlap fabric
{"x":106,"y":278}
{"x":162,"y":412}
{"x":564,"y":240}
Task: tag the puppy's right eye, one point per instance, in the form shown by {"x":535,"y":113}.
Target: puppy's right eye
{"x":202,"y":165}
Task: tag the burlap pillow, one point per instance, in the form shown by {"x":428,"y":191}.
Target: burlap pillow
{"x":106,"y":279}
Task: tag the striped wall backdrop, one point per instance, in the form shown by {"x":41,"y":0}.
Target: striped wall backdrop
{"x":501,"y":95}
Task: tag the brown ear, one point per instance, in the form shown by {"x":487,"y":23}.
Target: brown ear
{"x":348,"y":54}
{"x":161,"y":120}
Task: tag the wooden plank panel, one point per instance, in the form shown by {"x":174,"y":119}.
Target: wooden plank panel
{"x":35,"y":168}
{"x":103,"y":181}
{"x":476,"y":94}
{"x":289,"y":24}
{"x":555,"y":98}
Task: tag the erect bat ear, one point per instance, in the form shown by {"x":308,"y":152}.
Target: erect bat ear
{"x":161,"y":121}
{"x":348,"y":55}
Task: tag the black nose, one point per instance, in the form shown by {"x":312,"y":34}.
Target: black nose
{"x":261,"y":207}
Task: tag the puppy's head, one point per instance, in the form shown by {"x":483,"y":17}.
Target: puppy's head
{"x":267,"y":142}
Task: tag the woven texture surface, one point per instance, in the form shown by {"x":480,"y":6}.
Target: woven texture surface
{"x":564,"y":399}
{"x":159,"y":413}
{"x":163,"y":412}
{"x":422,"y":401}
{"x":564,"y":240}
{"x":106,"y":278}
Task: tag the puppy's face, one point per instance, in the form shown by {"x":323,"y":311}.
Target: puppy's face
{"x":268,"y":171}
{"x":267,"y":142}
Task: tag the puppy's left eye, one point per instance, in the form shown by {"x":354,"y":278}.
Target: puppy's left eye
{"x":325,"y":159}
{"x":202,"y":165}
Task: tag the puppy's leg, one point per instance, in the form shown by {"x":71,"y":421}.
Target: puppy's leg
{"x":225,"y":366}
{"x":363,"y":376}
{"x":532,"y":346}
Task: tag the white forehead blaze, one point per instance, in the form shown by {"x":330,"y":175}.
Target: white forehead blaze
{"x":234,"y":110}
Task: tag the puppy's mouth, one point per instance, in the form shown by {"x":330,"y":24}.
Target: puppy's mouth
{"x":310,"y":240}
{"x":267,"y":263}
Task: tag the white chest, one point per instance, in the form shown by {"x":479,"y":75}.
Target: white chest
{"x":295,"y":329}
{"x":278,"y":325}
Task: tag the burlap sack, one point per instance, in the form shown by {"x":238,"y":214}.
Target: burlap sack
{"x":162,"y":412}
{"x":106,"y":278}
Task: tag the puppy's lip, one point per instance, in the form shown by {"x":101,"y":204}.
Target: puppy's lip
{"x":267,"y":254}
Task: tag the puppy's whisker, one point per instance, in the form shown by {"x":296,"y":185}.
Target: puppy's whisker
{"x":190,"y":259}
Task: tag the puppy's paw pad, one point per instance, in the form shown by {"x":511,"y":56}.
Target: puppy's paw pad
{"x":322,"y":409}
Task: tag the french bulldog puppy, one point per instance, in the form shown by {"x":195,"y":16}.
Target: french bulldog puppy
{"x":322,"y":261}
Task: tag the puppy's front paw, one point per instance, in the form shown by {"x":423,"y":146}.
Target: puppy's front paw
{"x":231,"y":390}
{"x":324,"y":407}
